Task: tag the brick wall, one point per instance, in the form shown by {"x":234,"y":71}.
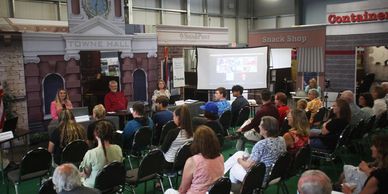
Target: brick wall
{"x":340,"y":57}
{"x":12,"y":71}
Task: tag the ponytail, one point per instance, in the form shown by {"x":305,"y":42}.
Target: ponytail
{"x":104,"y":131}
{"x":184,"y":119}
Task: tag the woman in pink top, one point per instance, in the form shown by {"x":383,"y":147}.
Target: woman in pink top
{"x":61,"y":100}
{"x":205,"y":166}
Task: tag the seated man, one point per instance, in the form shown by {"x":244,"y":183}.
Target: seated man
{"x":161,"y":117}
{"x":67,"y":179}
{"x":313,"y":105}
{"x":357,"y":114}
{"x":251,"y":128}
{"x":115,"y":100}
{"x":139,"y":120}
{"x":220,"y":98}
{"x":210,"y":118}
{"x":238,"y":103}
{"x":314,"y":182}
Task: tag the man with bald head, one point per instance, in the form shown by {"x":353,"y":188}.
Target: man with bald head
{"x":67,"y":180}
{"x":357,"y":113}
{"x":314,"y":182}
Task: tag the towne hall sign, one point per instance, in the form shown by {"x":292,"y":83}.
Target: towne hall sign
{"x":366,"y":16}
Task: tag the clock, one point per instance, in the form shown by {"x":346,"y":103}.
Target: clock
{"x":96,"y":7}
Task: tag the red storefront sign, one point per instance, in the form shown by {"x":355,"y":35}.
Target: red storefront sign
{"x":357,"y":17}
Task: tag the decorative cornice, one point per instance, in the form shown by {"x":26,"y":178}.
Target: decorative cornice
{"x":69,"y":56}
{"x":31,"y":59}
{"x":126,"y":54}
{"x":151,"y":54}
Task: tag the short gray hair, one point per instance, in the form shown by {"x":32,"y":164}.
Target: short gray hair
{"x":314,"y":182}
{"x":348,"y":96}
{"x":66,"y":177}
{"x":314,"y":92}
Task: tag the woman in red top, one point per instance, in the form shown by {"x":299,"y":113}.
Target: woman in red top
{"x":298,"y":135}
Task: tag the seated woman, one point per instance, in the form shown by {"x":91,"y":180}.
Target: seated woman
{"x":67,"y":131}
{"x":298,"y":135}
{"x":376,"y":172}
{"x":327,"y":137}
{"x":313,"y":85}
{"x":105,"y":153}
{"x":365,"y":101}
{"x":175,"y":138}
{"x":380,"y":106}
{"x":267,"y":151}
{"x":62,"y":101}
{"x":98,"y":115}
{"x":160,"y":91}
{"x":205,"y":166}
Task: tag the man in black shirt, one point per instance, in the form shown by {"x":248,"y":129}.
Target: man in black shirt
{"x":238,"y":103}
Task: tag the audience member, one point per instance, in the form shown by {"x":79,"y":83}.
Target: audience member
{"x":98,"y":115}
{"x":376,"y":172}
{"x":175,"y":138}
{"x":238,"y":103}
{"x":313,"y":85}
{"x":205,"y":166}
{"x":62,"y":101}
{"x":115,"y":100}
{"x":385,"y":86}
{"x":313,"y":105}
{"x":365,"y":101}
{"x":160,"y":91}
{"x":67,"y":131}
{"x":139,"y":120}
{"x":105,"y":153}
{"x":281,"y":104}
{"x":301,"y":104}
{"x":161,"y":117}
{"x":220,"y":98}
{"x":314,"y":182}
{"x":327,"y":137}
{"x":67,"y":180}
{"x":267,"y":151}
{"x":2,"y":112}
{"x":251,"y":130}
{"x":298,"y":135}
{"x":357,"y":114}
{"x":380,"y":106}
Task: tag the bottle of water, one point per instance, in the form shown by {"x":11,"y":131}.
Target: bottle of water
{"x":246,"y":153}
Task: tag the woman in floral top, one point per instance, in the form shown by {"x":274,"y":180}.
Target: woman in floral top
{"x":267,"y":151}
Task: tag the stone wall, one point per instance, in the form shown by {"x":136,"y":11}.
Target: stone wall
{"x":12,"y":72}
{"x":340,"y":57}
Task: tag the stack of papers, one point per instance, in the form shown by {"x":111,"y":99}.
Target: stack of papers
{"x":190,"y":101}
{"x":6,"y":136}
{"x":82,"y":118}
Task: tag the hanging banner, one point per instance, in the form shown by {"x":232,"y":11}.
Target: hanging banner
{"x":178,"y":70}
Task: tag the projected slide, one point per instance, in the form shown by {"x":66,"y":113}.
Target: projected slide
{"x":228,"y":67}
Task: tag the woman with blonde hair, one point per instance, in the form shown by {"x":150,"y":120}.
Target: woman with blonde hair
{"x":67,"y":131}
{"x":205,"y":166}
{"x":298,"y":135}
{"x":62,"y":101}
{"x":161,"y":90}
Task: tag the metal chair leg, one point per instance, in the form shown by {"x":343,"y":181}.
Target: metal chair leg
{"x":169,"y":180}
{"x":16,"y":188}
{"x":129,"y":160}
{"x":161,"y":184}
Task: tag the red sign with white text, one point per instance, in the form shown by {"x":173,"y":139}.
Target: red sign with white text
{"x":357,"y":17}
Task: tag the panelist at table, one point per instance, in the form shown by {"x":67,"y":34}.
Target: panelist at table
{"x":115,"y":100}
{"x":61,"y":101}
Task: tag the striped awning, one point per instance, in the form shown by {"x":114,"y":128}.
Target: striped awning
{"x":310,"y":59}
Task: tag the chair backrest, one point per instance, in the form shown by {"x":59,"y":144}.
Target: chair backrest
{"x":243,"y":115}
{"x":280,"y":167}
{"x":320,"y":114}
{"x":284,"y":128}
{"x":382,"y":120}
{"x":359,"y":130}
{"x":221,"y":186}
{"x":47,"y":187}
{"x":36,"y":162}
{"x":301,"y":160}
{"x":74,"y":152}
{"x":165,"y":129}
{"x":345,"y":136}
{"x":151,"y":164}
{"x":142,"y":138}
{"x":10,"y":124}
{"x":182,"y":155}
{"x":111,"y":177}
{"x":226,"y":120}
{"x":253,"y":180}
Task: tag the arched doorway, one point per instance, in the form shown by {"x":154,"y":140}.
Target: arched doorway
{"x":139,"y":85}
{"x":51,"y":84}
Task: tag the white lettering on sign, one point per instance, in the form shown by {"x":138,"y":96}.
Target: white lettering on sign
{"x":282,"y":39}
{"x":98,"y":44}
{"x":194,"y":36}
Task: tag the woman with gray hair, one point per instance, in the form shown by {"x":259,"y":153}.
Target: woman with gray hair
{"x":267,"y":151}
{"x":314,"y":182}
{"x":67,"y":180}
